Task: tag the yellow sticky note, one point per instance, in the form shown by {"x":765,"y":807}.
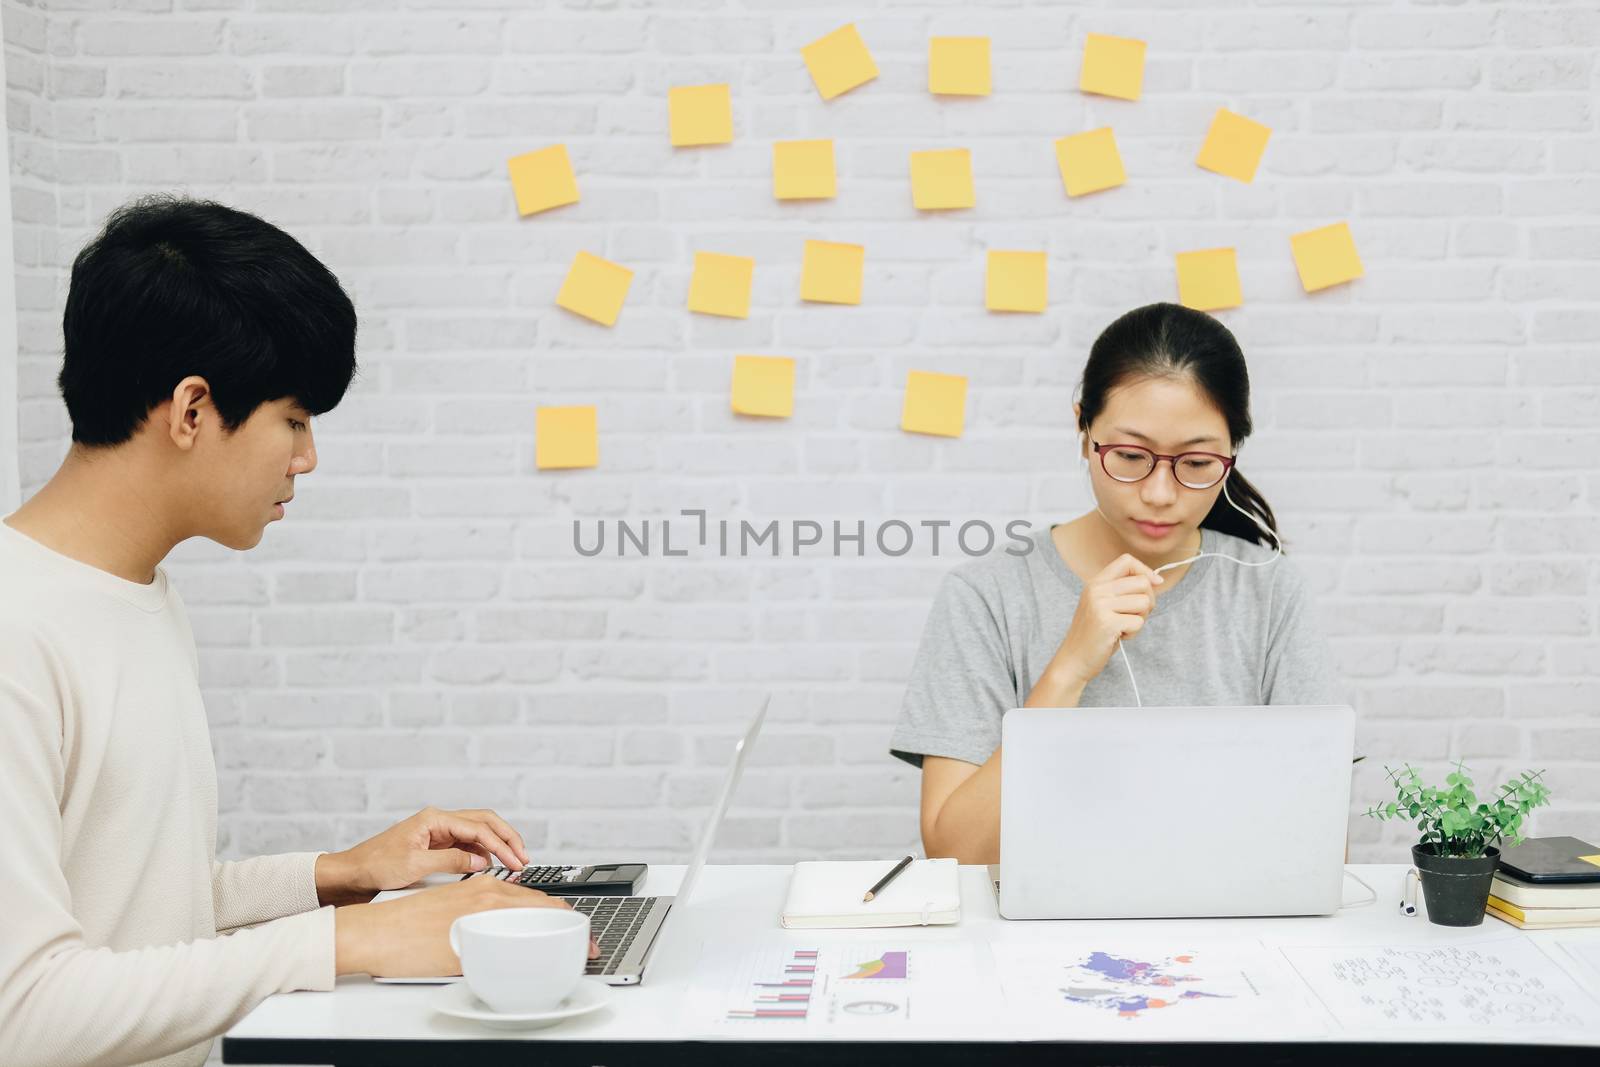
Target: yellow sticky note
{"x":595,"y":288}
{"x":1090,"y":162}
{"x":1234,"y":145}
{"x":1112,"y":66}
{"x":935,"y":403}
{"x":721,"y":285}
{"x":763,"y":385}
{"x":565,"y":437}
{"x":803,"y":170}
{"x":1325,"y":256}
{"x":700,"y":114}
{"x":1016,"y":281}
{"x":1209,"y":279}
{"x":958,"y":66}
{"x":1595,"y":860}
{"x":839,"y":61}
{"x":830,"y":273}
{"x":542,"y":180}
{"x":942,"y":179}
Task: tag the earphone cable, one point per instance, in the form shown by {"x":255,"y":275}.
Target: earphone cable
{"x":1277,"y":550}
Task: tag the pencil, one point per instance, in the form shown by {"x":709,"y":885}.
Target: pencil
{"x":886,"y":879}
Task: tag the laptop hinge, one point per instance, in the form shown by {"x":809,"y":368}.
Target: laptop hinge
{"x":639,"y":949}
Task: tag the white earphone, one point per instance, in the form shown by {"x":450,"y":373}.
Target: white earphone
{"x":1277,"y":547}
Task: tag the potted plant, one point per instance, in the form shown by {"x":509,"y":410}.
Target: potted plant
{"x":1456,"y":857}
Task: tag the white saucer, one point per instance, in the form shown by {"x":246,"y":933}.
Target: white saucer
{"x":457,"y":1001}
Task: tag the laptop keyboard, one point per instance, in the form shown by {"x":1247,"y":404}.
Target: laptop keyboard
{"x":613,"y":923}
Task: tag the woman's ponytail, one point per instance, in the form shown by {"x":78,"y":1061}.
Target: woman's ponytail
{"x":1225,"y":519}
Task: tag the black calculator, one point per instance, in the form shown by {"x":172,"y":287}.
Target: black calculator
{"x":608,"y":879}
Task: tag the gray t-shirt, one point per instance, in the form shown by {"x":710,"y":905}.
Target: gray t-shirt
{"x":1224,"y":635}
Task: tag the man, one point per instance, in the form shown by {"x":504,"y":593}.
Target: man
{"x":199,"y":344}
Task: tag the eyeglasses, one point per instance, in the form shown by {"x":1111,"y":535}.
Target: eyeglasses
{"x":1133,"y":463}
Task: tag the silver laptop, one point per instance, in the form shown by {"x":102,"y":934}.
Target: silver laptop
{"x":628,"y":928}
{"x":1147,"y":813}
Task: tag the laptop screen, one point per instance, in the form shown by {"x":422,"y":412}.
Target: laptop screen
{"x":707,"y":836}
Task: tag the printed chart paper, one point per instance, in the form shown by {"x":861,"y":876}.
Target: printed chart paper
{"x":1478,"y":986}
{"x":852,"y":989}
{"x":1151,"y":990}
{"x":1587,"y":953}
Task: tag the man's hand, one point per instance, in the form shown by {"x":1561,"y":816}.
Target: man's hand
{"x":430,"y":842}
{"x":409,"y":936}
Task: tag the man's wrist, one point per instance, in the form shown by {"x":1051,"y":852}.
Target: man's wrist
{"x":337,"y":881}
{"x":350,"y":940}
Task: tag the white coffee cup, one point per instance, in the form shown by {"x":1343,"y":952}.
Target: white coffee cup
{"x":522,"y":960}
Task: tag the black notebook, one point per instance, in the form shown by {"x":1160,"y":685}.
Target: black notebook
{"x":1544,"y":860}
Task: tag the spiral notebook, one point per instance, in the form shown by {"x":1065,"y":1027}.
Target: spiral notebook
{"x":827,"y":895}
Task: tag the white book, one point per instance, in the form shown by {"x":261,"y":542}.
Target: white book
{"x":1545,"y":894}
{"x":827,"y":895}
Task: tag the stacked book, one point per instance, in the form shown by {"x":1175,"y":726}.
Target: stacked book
{"x":1548,"y":883}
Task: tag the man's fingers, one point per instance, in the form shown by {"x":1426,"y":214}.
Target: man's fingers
{"x":451,"y":861}
{"x":464,"y":831}
{"x":501,"y":830}
{"x":510,"y":895}
{"x":477,"y":850}
{"x":497,"y":894}
{"x":506,"y":831}
{"x":512,"y":855}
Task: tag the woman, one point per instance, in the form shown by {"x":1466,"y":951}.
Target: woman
{"x":1164,"y":406}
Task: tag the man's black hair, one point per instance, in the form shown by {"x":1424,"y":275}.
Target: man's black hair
{"x":173,"y":287}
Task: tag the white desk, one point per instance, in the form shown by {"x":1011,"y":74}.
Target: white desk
{"x":362,"y":1022}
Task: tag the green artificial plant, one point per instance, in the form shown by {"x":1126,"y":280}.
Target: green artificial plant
{"x":1452,"y":819}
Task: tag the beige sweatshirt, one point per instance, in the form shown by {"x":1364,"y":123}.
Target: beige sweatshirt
{"x":111,"y":900}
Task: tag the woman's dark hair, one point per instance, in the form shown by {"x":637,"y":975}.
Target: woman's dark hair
{"x":1171,"y":341}
{"x":173,"y":287}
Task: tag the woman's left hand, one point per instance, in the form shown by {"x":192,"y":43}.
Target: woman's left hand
{"x":429,"y":842}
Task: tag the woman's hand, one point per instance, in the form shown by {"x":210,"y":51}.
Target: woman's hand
{"x":430,"y":842}
{"x":1114,"y":606}
{"x":409,"y":936}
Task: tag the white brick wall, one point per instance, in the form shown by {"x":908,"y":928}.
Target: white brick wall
{"x":9,"y":487}
{"x":421,"y":629}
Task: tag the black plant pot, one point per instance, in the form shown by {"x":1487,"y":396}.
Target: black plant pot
{"x":1456,"y":890}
